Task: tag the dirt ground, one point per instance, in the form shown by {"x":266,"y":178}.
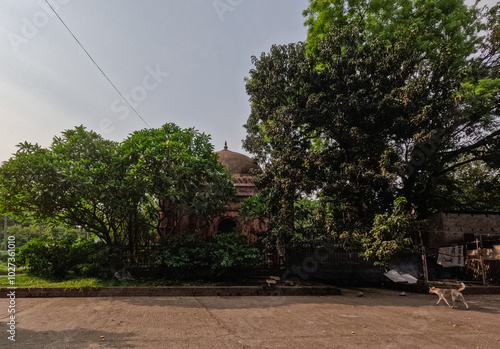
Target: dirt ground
{"x":381,"y":319}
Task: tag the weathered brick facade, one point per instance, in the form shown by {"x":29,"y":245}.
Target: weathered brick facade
{"x":243,"y":170}
{"x":449,"y":228}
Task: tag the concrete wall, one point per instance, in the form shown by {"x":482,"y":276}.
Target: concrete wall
{"x":446,"y":229}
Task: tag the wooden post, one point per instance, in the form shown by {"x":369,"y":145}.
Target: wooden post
{"x":424,"y":259}
{"x":481,"y":261}
{"x":424,"y":264}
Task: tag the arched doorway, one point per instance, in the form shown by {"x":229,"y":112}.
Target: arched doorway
{"x":226,"y":225}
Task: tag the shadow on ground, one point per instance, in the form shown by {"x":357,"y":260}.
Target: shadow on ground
{"x":75,"y":339}
{"x":371,"y":297}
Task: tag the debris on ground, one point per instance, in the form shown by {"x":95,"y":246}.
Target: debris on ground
{"x":270,"y":282}
{"x":398,"y":277}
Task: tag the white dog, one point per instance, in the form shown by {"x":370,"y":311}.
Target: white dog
{"x":455,"y":294}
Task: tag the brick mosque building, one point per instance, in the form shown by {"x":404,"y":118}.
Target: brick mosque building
{"x":243,"y":170}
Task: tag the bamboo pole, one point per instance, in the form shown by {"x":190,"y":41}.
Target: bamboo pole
{"x":424,"y":259}
{"x":481,"y":261}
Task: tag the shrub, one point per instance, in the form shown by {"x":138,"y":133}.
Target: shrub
{"x":183,"y":257}
{"x":4,"y":255}
{"x":232,"y":250}
{"x":392,"y":234}
{"x":96,"y":259}
{"x":60,"y":258}
{"x":227,"y":255}
{"x":233,"y":257}
{"x":46,"y":258}
{"x":29,"y":231}
{"x":191,"y":257}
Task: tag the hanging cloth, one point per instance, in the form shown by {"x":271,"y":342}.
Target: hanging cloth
{"x":451,"y":256}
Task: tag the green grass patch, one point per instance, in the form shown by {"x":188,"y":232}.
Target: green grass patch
{"x":4,"y":269}
{"x":27,"y":281}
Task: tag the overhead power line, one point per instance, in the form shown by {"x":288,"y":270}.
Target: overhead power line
{"x":97,"y":65}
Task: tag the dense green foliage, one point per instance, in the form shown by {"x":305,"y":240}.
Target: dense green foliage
{"x":58,"y":259}
{"x":181,"y":257}
{"x":393,"y":234}
{"x":4,"y":255}
{"x":307,"y":228}
{"x":25,"y":232}
{"x":386,"y":99}
{"x":78,"y":180}
{"x":227,"y":255}
{"x":114,"y":190}
{"x":179,"y":169}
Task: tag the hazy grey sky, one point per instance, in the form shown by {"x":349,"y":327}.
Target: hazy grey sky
{"x":180,"y":61}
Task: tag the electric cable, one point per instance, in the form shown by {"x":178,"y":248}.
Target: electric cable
{"x":95,"y":63}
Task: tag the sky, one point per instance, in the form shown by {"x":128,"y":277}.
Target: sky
{"x":180,"y":61}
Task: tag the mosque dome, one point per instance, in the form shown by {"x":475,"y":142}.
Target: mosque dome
{"x":237,"y":163}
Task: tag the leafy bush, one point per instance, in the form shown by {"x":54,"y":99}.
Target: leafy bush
{"x":230,"y":250}
{"x":46,"y":258}
{"x":25,"y":232}
{"x":60,"y":258}
{"x":191,"y":257}
{"x":184,"y":257}
{"x":233,"y":256}
{"x":392,"y":234}
{"x":96,"y":259}
{"x":4,"y":255}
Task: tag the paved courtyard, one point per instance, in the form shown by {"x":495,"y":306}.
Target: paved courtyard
{"x":381,"y":319}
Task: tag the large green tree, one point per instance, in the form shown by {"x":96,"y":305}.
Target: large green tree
{"x":180,"y":173}
{"x":438,"y":101}
{"x":386,"y":99}
{"x":75,"y":181}
{"x":114,"y":189}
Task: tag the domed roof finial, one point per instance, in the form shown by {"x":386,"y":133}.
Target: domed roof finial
{"x":236,"y":163}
